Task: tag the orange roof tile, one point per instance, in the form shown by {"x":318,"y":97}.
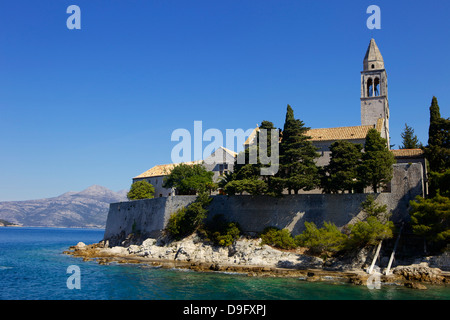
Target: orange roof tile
{"x":408,"y":153}
{"x":342,"y":133}
{"x":162,"y":169}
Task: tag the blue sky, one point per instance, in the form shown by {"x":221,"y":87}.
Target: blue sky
{"x":98,"y":105}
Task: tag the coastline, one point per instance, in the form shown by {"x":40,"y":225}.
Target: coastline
{"x":248,"y":257}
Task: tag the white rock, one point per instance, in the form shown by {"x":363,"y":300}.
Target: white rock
{"x":80,"y":245}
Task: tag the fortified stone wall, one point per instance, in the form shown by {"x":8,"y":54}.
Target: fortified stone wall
{"x":254,"y":213}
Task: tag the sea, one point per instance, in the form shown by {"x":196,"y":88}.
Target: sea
{"x":34,"y":267}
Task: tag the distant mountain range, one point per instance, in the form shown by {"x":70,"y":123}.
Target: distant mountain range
{"x":85,"y":209}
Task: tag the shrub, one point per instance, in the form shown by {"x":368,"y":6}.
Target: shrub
{"x":189,"y":179}
{"x":430,"y":218}
{"x":326,"y":240}
{"x":141,"y":190}
{"x":222,"y":232}
{"x":186,"y":220}
{"x":278,"y":238}
{"x":177,"y":223}
{"x":369,"y":232}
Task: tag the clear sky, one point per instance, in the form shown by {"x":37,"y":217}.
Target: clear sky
{"x":98,"y":105}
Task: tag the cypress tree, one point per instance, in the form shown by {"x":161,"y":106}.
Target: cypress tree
{"x":342,"y":171}
{"x":376,"y":167}
{"x":297,"y":153}
{"x":438,"y":150}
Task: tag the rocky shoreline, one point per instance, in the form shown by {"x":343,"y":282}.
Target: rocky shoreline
{"x":247,"y":256}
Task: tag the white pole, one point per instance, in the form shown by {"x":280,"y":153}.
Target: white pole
{"x":375,"y":258}
{"x":388,"y":269}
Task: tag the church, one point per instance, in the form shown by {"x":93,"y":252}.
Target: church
{"x":374,"y":115}
{"x":374,"y":108}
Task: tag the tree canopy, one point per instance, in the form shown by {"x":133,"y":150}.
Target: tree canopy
{"x":298,"y":171}
{"x":342,"y":172}
{"x":410,"y":140}
{"x":377,"y":161}
{"x":430,"y":218}
{"x":189,"y":179}
{"x":141,"y":190}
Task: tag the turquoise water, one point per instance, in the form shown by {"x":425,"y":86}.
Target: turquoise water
{"x":32,"y":266}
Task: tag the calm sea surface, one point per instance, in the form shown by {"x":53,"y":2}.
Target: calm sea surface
{"x":32,"y":266}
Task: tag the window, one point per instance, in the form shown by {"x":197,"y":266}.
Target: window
{"x":377,"y":87}
{"x":369,"y":87}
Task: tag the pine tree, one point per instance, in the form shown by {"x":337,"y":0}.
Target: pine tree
{"x":377,"y":161}
{"x":341,"y":172}
{"x":247,"y":176}
{"x":297,"y":153}
{"x":430,"y":218}
{"x":410,"y":140}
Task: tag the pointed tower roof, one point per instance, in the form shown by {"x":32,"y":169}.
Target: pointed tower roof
{"x":373,"y":59}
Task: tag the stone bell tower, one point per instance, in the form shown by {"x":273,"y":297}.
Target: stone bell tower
{"x":374,"y":90}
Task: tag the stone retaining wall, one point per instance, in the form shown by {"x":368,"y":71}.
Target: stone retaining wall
{"x":253,"y":213}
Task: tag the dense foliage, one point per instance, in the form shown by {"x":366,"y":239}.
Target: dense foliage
{"x":187,"y":220}
{"x":141,"y":190}
{"x":430,"y":218}
{"x":409,"y":139}
{"x":222,"y":232}
{"x":298,"y":171}
{"x":189,"y":179}
{"x":341,"y":174}
{"x":275,"y":237}
{"x":377,"y":161}
{"x":323,"y":241}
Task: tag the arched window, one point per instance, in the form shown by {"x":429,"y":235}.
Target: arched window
{"x":377,"y":87}
{"x":369,"y":87}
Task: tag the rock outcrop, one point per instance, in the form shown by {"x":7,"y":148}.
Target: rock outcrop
{"x":420,"y":273}
{"x":244,"y":252}
{"x":247,"y":255}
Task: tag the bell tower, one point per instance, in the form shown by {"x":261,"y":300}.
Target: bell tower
{"x":374,"y":90}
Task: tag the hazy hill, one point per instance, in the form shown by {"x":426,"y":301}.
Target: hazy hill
{"x":88,"y":208}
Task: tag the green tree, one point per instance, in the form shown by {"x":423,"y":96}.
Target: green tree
{"x":377,"y":161}
{"x":410,"y":140}
{"x":324,"y":241}
{"x":342,"y":171}
{"x":141,"y":190}
{"x":430,"y":218}
{"x":222,"y":232}
{"x":278,"y":238}
{"x":437,"y":152}
{"x":374,"y":209}
{"x":439,"y":183}
{"x":247,"y":176}
{"x":189,"y":179}
{"x":189,"y":219}
{"x":298,"y":170}
{"x":369,"y":232}
{"x":251,"y":186}
{"x":438,"y":149}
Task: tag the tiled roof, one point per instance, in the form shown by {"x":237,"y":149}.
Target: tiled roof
{"x":162,"y":169}
{"x":343,"y":133}
{"x":234,"y":154}
{"x":330,"y":134}
{"x":251,"y":137}
{"x":408,"y":153}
